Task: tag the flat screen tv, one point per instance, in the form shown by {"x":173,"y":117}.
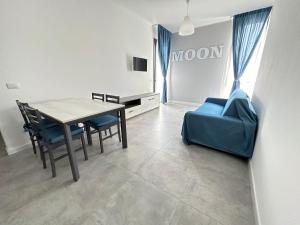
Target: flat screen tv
{"x":139,"y":64}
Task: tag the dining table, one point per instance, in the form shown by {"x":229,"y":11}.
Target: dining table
{"x":70,"y":111}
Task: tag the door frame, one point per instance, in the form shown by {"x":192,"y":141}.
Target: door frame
{"x":154,"y":64}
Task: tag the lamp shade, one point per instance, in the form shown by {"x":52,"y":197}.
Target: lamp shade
{"x":187,"y":27}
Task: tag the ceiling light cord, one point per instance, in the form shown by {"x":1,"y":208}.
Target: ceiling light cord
{"x":188,"y":6}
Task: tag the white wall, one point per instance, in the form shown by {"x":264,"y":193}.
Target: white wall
{"x":276,"y":161}
{"x":194,"y":81}
{"x":67,"y":48}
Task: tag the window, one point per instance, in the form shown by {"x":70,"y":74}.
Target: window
{"x":247,"y":81}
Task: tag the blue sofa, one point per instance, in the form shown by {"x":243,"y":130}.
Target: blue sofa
{"x":229,"y":125}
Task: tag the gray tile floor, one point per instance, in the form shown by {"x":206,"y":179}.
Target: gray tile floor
{"x":157,"y":180}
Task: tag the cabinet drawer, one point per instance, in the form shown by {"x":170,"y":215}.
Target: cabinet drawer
{"x":154,"y":99}
{"x":133,"y":111}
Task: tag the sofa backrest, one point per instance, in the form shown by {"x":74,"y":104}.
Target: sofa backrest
{"x":239,"y":105}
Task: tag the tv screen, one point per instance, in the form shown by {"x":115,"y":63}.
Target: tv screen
{"x":139,"y":64}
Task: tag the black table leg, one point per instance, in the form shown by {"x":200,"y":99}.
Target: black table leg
{"x":123,"y":128}
{"x":71,"y":152}
{"x":88,"y":134}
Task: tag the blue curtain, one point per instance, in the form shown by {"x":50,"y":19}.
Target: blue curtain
{"x":247,"y":29}
{"x":164,"y":47}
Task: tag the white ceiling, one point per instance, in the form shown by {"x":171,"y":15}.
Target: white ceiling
{"x":170,"y":13}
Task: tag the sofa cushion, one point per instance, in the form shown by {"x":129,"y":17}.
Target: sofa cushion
{"x":238,"y":93}
{"x":210,"y":109}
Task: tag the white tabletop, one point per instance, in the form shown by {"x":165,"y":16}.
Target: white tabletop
{"x":72,"y":109}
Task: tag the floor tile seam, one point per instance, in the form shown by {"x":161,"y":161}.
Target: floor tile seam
{"x":176,"y":197}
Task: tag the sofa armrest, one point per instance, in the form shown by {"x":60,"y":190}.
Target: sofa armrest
{"x":218,"y":101}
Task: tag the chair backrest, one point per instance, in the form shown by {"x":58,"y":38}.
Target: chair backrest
{"x":36,"y":120}
{"x":34,"y":116}
{"x":97,"y":96}
{"x":112,"y":99}
{"x":21,"y":106}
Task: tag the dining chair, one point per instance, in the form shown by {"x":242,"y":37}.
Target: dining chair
{"x":113,"y":99}
{"x":27,"y":127}
{"x":53,"y":137}
{"x":33,"y":135}
{"x":100,"y":97}
{"x":106,"y":122}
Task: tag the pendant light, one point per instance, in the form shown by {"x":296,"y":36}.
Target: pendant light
{"x":186,"y":27}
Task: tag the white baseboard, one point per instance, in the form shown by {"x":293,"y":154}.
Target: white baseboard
{"x":11,"y":151}
{"x":254,"y":196}
{"x":184,"y":103}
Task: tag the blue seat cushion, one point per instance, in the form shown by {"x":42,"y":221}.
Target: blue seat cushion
{"x":56,"y":133}
{"x":49,"y":123}
{"x":35,"y":130}
{"x":210,"y":109}
{"x":103,"y":121}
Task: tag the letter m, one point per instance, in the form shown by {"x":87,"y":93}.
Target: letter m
{"x":177,"y":56}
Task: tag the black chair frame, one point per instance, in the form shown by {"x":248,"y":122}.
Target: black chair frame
{"x":27,"y":126}
{"x":97,"y":96}
{"x":110,"y":99}
{"x":35,"y":119}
